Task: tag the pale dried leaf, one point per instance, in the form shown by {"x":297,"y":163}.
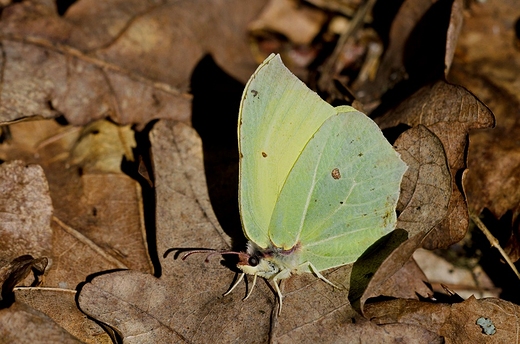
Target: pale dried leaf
{"x":464,"y":280}
{"x":22,"y":324}
{"x":299,"y":23}
{"x":102,"y":146}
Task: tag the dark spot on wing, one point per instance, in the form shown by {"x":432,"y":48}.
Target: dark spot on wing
{"x":255,"y":93}
{"x":335,"y":173}
{"x":264,"y":154}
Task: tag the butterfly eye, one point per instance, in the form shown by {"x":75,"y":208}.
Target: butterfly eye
{"x":253,"y":261}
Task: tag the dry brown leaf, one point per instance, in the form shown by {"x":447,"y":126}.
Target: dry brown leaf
{"x":359,"y":330}
{"x":60,"y":306}
{"x":23,"y":324}
{"x":71,"y":253}
{"x":457,"y":323}
{"x":456,"y":22}
{"x":450,"y":112}
{"x":299,"y":23}
{"x":111,"y":220}
{"x":71,"y":266}
{"x":44,"y":80}
{"x":426,"y":186}
{"x":25,"y":211}
{"x":347,"y":7}
{"x":487,"y":63}
{"x":415,"y":47}
{"x":130,"y":60}
{"x":409,"y":282}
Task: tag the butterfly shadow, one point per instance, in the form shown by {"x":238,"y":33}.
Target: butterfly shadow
{"x":216,"y":101}
{"x":366,"y":266}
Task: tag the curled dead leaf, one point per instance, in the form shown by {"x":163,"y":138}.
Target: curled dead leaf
{"x":16,"y":271}
{"x":449,"y":112}
{"x":426,"y":186}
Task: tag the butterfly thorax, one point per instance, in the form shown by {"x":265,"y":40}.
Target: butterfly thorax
{"x":269,"y":262}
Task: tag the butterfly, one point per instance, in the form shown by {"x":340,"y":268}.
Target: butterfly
{"x":317,"y":184}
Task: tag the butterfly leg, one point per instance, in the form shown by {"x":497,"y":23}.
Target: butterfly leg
{"x":277,"y":288}
{"x":315,"y":271}
{"x":235,"y":284}
{"x":252,"y":287}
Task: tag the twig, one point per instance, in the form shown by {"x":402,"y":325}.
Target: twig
{"x":493,"y":241}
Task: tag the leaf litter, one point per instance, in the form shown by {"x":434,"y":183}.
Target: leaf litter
{"x":124,"y":68}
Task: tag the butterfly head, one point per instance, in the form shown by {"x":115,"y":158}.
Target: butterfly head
{"x":271,"y":263}
{"x":258,"y":261}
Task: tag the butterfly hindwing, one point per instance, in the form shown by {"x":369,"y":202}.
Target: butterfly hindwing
{"x":341,"y":193}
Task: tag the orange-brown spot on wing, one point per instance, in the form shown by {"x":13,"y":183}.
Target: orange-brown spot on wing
{"x":335,"y":173}
{"x":264,"y":154}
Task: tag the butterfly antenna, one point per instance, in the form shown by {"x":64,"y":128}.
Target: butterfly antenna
{"x":212,"y":253}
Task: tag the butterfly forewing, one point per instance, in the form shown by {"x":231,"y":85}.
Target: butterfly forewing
{"x":278,"y":116}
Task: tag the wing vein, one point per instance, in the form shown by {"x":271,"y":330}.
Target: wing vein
{"x":308,"y":200}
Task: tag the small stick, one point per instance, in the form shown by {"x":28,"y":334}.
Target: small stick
{"x":493,"y":241}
